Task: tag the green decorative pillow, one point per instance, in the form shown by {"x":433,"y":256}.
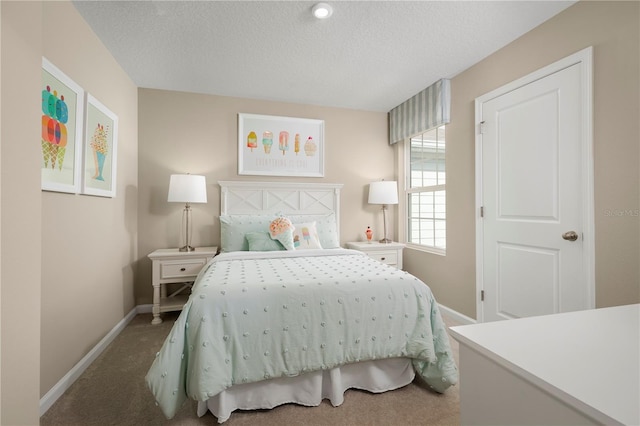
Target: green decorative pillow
{"x":281,"y":229}
{"x":261,"y":241}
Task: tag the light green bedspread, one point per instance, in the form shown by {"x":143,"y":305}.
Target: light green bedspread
{"x":259,"y":315}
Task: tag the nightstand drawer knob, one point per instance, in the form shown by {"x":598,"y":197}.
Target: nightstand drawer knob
{"x":384,"y":258}
{"x":183,"y":269}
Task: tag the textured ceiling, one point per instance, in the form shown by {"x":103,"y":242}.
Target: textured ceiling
{"x":369,"y":55}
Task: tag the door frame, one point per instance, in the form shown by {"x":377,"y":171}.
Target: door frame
{"x":584,"y":59}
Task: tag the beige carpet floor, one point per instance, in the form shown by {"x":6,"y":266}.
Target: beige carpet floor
{"x":112,"y":391}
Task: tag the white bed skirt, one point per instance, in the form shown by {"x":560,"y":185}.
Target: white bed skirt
{"x":311,"y":388}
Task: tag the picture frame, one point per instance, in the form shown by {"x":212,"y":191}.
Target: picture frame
{"x":61,"y":135}
{"x":280,"y":146}
{"x":100,"y":149}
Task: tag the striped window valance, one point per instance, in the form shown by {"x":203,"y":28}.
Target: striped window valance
{"x":426,"y":110}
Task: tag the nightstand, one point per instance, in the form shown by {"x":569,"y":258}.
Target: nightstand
{"x":390,"y":253}
{"x":173,"y":266}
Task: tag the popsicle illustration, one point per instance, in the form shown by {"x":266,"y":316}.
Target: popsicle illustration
{"x":310,"y":147}
{"x":296,"y":144}
{"x":283,"y":141}
{"x":305,"y":234}
{"x":296,"y":241}
{"x":252,"y":140}
{"x":267,"y":141}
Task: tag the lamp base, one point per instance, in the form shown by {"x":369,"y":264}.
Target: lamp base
{"x":186,"y":248}
{"x":385,"y":241}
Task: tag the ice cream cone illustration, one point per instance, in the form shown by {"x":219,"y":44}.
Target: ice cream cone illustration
{"x":54,"y":155}
{"x":267,"y":141}
{"x":310,"y":147}
{"x":252,"y":140}
{"x":283,"y":142}
{"x":46,"y":153}
{"x":100,"y":150}
{"x":54,"y":130}
{"x":54,"y":141}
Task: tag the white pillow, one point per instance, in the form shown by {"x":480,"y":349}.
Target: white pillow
{"x":325,"y":225}
{"x":305,"y":236}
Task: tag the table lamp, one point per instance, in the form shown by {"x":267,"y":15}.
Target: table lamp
{"x":384,"y":192}
{"x":187,"y":189}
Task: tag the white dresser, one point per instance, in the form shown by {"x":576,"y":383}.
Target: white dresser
{"x":390,"y":253}
{"x":571,"y":368}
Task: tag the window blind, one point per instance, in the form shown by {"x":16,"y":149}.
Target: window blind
{"x":428,"y":109}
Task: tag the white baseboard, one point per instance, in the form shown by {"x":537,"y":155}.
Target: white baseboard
{"x":144,"y":309}
{"x":63,"y":384}
{"x":457,"y":316}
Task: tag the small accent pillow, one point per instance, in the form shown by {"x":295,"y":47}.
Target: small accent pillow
{"x":281,"y":229}
{"x":305,"y":236}
{"x":261,"y":241}
{"x":325,"y":225}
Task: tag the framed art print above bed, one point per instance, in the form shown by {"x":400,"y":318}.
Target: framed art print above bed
{"x":280,"y":146}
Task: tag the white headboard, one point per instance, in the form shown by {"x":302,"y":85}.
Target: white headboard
{"x":244,"y":197}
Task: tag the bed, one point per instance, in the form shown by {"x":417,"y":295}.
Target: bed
{"x":266,"y":325}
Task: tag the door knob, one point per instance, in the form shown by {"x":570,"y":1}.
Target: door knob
{"x":570,"y":236}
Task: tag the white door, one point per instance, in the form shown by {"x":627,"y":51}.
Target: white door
{"x":535,"y":248}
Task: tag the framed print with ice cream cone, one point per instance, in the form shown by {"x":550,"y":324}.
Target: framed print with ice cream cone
{"x":280,"y":146}
{"x":61,"y":136}
{"x":100,"y":150}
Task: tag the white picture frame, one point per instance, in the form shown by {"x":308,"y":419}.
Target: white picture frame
{"x":280,"y":146}
{"x":100,"y":149}
{"x":61,"y":137}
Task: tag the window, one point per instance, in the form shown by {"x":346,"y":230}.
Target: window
{"x":426,"y":193}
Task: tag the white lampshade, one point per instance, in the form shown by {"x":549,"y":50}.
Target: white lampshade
{"x":383,"y":192}
{"x":187,"y":189}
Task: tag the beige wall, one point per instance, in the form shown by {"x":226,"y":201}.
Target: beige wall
{"x":67,"y":260}
{"x":612,"y":28}
{"x":89,"y":244}
{"x":184,"y":132}
{"x":21,"y":206}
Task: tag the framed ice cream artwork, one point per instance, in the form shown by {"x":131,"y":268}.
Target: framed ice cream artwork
{"x":280,"y":146}
{"x":61,"y":134}
{"x":100,"y":150}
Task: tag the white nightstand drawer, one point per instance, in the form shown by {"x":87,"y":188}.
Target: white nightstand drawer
{"x":181,"y":268}
{"x":388,"y":257}
{"x":387,"y":253}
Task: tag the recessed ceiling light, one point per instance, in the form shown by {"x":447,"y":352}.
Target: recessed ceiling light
{"x":322,"y":10}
